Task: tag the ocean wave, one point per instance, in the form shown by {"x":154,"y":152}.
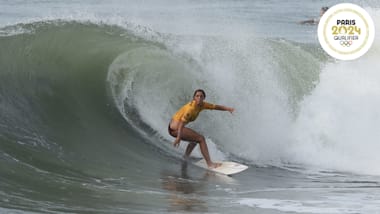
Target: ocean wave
{"x":54,"y":101}
{"x":60,"y":81}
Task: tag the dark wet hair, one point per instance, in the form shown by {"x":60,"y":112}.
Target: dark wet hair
{"x":199,"y":90}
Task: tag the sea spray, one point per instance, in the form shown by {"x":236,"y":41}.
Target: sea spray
{"x":338,"y":126}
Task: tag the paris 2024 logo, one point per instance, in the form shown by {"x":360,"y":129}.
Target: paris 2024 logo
{"x":346,"y":31}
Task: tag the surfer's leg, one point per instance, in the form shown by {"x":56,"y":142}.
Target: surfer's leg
{"x":189,"y":149}
{"x":190,"y":135}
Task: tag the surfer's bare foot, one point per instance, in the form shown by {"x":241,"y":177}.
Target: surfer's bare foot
{"x":213,"y":165}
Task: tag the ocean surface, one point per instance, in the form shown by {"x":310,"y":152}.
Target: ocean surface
{"x":87,"y":89}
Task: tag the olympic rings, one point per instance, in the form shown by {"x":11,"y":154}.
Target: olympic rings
{"x":346,"y":43}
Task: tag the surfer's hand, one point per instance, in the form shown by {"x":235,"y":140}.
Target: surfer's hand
{"x":176,"y":142}
{"x":231,"y":110}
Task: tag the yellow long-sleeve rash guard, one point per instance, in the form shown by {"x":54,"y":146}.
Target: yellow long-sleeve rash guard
{"x":190,"y":111}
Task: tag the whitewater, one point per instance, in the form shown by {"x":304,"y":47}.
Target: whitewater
{"x":87,"y":90}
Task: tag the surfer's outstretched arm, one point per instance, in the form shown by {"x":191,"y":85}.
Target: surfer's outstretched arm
{"x":224,"y":108}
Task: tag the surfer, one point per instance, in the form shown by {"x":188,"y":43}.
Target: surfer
{"x":189,"y":113}
{"x":316,"y":20}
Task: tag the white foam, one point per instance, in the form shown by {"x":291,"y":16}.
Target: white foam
{"x":355,"y":203}
{"x":291,"y":206}
{"x":338,"y":126}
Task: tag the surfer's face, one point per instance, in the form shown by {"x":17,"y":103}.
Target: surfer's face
{"x":199,"y":97}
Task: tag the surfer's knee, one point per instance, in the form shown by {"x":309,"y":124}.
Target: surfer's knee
{"x":201,"y":139}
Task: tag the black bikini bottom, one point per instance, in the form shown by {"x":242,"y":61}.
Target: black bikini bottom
{"x":170,"y":130}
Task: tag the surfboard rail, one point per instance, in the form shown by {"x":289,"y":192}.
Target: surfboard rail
{"x":227,"y":167}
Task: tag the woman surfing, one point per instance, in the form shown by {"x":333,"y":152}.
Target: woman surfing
{"x":188,"y":113}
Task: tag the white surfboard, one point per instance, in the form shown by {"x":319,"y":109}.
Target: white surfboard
{"x":227,"y":167}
